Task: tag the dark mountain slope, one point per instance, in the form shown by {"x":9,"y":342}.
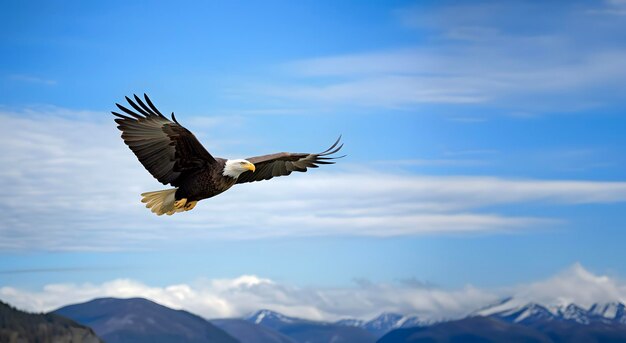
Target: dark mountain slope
{"x":247,"y":332}
{"x":468,"y":330}
{"x":308,"y":331}
{"x":139,"y":320}
{"x":22,"y":327}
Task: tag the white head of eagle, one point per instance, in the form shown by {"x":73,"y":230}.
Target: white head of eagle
{"x":234,"y":168}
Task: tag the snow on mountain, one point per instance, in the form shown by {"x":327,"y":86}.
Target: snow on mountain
{"x":574,"y":313}
{"x":501,"y":306}
{"x":529,"y":313}
{"x":513,"y":310}
{"x":386,"y":322}
{"x":412,"y":321}
{"x":613,"y":311}
{"x":303,"y":330}
{"x":351,"y":322}
{"x":270,"y":318}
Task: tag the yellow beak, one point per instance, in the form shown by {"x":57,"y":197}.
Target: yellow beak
{"x":250,"y":166}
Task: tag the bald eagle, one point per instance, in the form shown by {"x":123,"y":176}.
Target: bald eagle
{"x":173,"y":155}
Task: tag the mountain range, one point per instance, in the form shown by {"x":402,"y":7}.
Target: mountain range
{"x":249,"y":332}
{"x":302,"y":330}
{"x":512,"y":311}
{"x":386,"y":322}
{"x":531,"y":322}
{"x":510,"y":320}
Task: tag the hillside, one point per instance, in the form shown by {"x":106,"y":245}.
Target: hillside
{"x":140,"y":320}
{"x":21,"y":327}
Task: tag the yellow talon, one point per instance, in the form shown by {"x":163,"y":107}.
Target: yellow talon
{"x":190,"y":205}
{"x":179,"y":204}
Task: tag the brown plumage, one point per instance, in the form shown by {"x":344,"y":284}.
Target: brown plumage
{"x":173,"y":155}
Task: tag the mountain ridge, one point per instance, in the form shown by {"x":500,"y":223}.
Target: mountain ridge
{"x":304,"y":330}
{"x":140,"y":320}
{"x":386,"y":322}
{"x":110,"y":318}
{"x":511,"y":310}
{"x":247,"y":332}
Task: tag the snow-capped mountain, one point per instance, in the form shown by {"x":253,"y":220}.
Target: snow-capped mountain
{"x":272,"y":319}
{"x":526,"y":314}
{"x":351,"y":322}
{"x":574,"y":313}
{"x":386,"y":322}
{"x":510,"y":310}
{"x":302,"y":330}
{"x":614,"y":311}
{"x":378,"y":326}
{"x":394,"y":320}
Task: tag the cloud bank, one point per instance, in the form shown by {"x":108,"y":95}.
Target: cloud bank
{"x":218,"y":298}
{"x":72,"y":185}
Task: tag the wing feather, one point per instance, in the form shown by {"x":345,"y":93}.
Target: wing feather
{"x":164,"y":147}
{"x":284,"y":163}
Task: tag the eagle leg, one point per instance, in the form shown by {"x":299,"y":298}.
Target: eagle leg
{"x":190,"y":205}
{"x":180,"y":204}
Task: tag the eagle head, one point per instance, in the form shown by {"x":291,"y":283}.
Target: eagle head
{"x":234,"y":168}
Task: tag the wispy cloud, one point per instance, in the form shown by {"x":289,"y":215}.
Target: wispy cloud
{"x":475,"y":56}
{"x":474,"y":152}
{"x":238,"y":296}
{"x":573,"y":285}
{"x":32,"y":79}
{"x":71,"y":184}
{"x":467,"y":120}
{"x":433,"y":162}
{"x":612,"y":7}
{"x":480,"y":74}
{"x":59,"y":270}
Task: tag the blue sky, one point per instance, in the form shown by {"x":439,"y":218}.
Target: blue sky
{"x":485,"y":142}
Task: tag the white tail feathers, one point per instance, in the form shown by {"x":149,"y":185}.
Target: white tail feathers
{"x":161,"y":202}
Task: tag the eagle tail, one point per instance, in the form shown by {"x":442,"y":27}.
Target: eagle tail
{"x":162,"y":202}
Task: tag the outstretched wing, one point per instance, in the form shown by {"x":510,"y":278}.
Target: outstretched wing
{"x":164,"y":147}
{"x":283,"y":163}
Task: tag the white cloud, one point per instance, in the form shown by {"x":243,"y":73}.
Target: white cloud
{"x":33,"y":79}
{"x":384,"y":91}
{"x":71,"y":184}
{"x":239,"y":296}
{"x":248,"y":293}
{"x":613,"y":7}
{"x":476,"y":54}
{"x":480,"y":74}
{"x":573,"y":285}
